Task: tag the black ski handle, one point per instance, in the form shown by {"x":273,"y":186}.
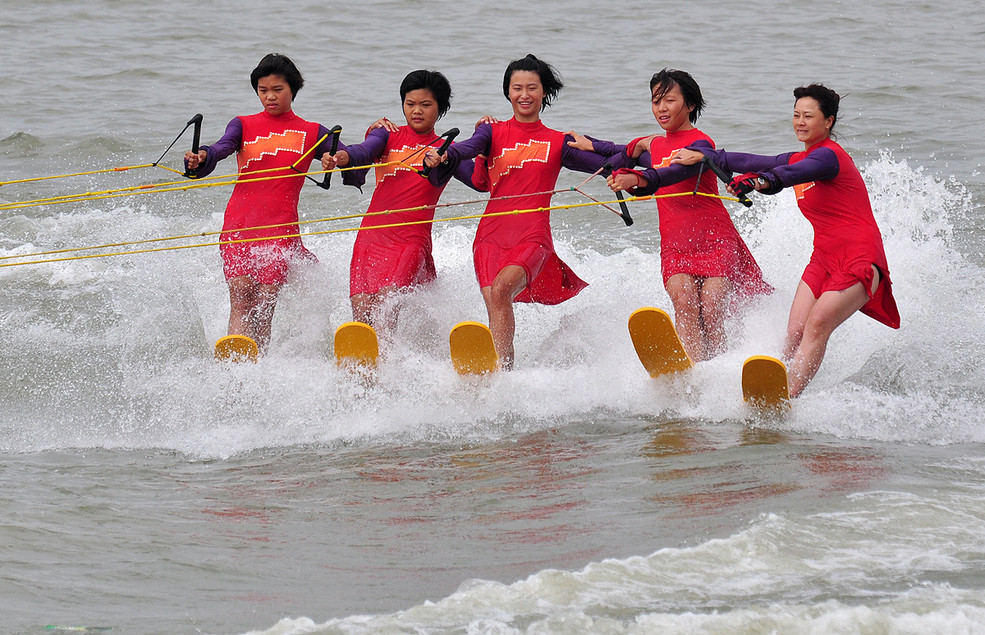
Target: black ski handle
{"x":607,"y":170}
{"x":726,"y":178}
{"x":196,"y":140}
{"x":197,"y":132}
{"x":336,"y":131}
{"x":448,"y":136}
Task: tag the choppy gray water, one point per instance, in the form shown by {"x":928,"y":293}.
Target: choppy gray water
{"x":145,"y":489}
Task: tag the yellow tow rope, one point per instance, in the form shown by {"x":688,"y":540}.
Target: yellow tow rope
{"x":322,"y":232}
{"x":250,"y":177}
{"x":124,"y":168}
{"x":177,"y":186}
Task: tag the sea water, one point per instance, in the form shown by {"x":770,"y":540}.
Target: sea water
{"x":146,"y":489}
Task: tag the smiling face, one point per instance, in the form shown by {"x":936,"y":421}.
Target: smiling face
{"x":526,"y":94}
{"x":809,"y":123}
{"x":275,"y":94}
{"x":671,"y":111}
{"x":421,"y":110}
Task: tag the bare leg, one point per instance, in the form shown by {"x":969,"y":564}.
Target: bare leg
{"x":262,"y":315}
{"x":251,"y":309}
{"x":509,"y":282}
{"x":826,"y":314}
{"x":715,"y":294}
{"x":685,"y":292}
{"x":370,"y":308}
{"x":803,"y":302}
{"x":363,"y":307}
{"x":242,"y":299}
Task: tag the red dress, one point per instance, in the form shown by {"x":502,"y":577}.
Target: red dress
{"x":523,"y":160}
{"x":268,"y":141}
{"x":697,"y":236}
{"x":847,"y":241}
{"x":832,"y":196}
{"x":396,"y":256}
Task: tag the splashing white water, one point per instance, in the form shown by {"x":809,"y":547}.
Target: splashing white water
{"x":116,"y":351}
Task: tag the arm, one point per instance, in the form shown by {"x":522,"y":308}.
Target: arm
{"x":574,"y":157}
{"x":616,"y":155}
{"x":365,"y":153}
{"x":203,"y":163}
{"x":655,"y":178}
{"x":735,"y":161}
{"x":472,"y":147}
{"x":819,"y":165}
{"x":743,"y":163}
{"x":343,"y":157}
{"x":468,"y":170}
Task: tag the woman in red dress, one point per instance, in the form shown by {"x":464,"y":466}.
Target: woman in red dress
{"x":514,"y":254}
{"x":260,"y":238}
{"x":392,"y":251}
{"x":848,"y":271}
{"x":705,"y":264}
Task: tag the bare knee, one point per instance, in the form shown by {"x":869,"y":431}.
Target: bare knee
{"x":683,"y":291}
{"x":501,"y":293}
{"x":242,"y":294}
{"x":507,"y":285}
{"x":820,"y":325}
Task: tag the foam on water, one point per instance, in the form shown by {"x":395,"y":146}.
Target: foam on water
{"x":154,"y":490}
{"x":119,"y":347}
{"x":888,"y":561}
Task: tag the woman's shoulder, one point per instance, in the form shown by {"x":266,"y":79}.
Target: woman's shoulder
{"x":687,"y":136}
{"x":829,"y":151}
{"x":697,"y":134}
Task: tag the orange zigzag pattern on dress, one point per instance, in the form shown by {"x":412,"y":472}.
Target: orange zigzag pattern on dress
{"x":801,"y":189}
{"x":270,"y":145}
{"x":518,"y":155}
{"x":665,"y":162}
{"x":397,"y":160}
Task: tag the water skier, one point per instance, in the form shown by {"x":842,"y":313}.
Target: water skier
{"x":705,"y":264}
{"x":848,"y":271}
{"x":514,"y":254}
{"x":386,"y":260}
{"x":271,"y":139}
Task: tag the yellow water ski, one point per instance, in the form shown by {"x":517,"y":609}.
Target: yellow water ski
{"x":472,"y":349}
{"x":656,"y":341}
{"x":764,"y":383}
{"x":236,"y":348}
{"x":356,"y":345}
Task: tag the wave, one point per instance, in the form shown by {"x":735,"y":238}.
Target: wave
{"x":116,"y":351}
{"x":868,"y":566}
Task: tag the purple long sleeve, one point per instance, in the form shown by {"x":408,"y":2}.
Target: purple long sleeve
{"x":365,"y":153}
{"x":472,"y":147}
{"x":464,"y":173}
{"x":232,"y":140}
{"x":674,"y":173}
{"x":591,"y":162}
{"x":615,"y":154}
{"x":819,"y":165}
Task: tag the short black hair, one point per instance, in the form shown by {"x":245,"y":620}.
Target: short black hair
{"x":432,"y":81}
{"x":550,"y":79}
{"x":277,"y":64}
{"x":826,"y":99}
{"x":667,"y":78}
